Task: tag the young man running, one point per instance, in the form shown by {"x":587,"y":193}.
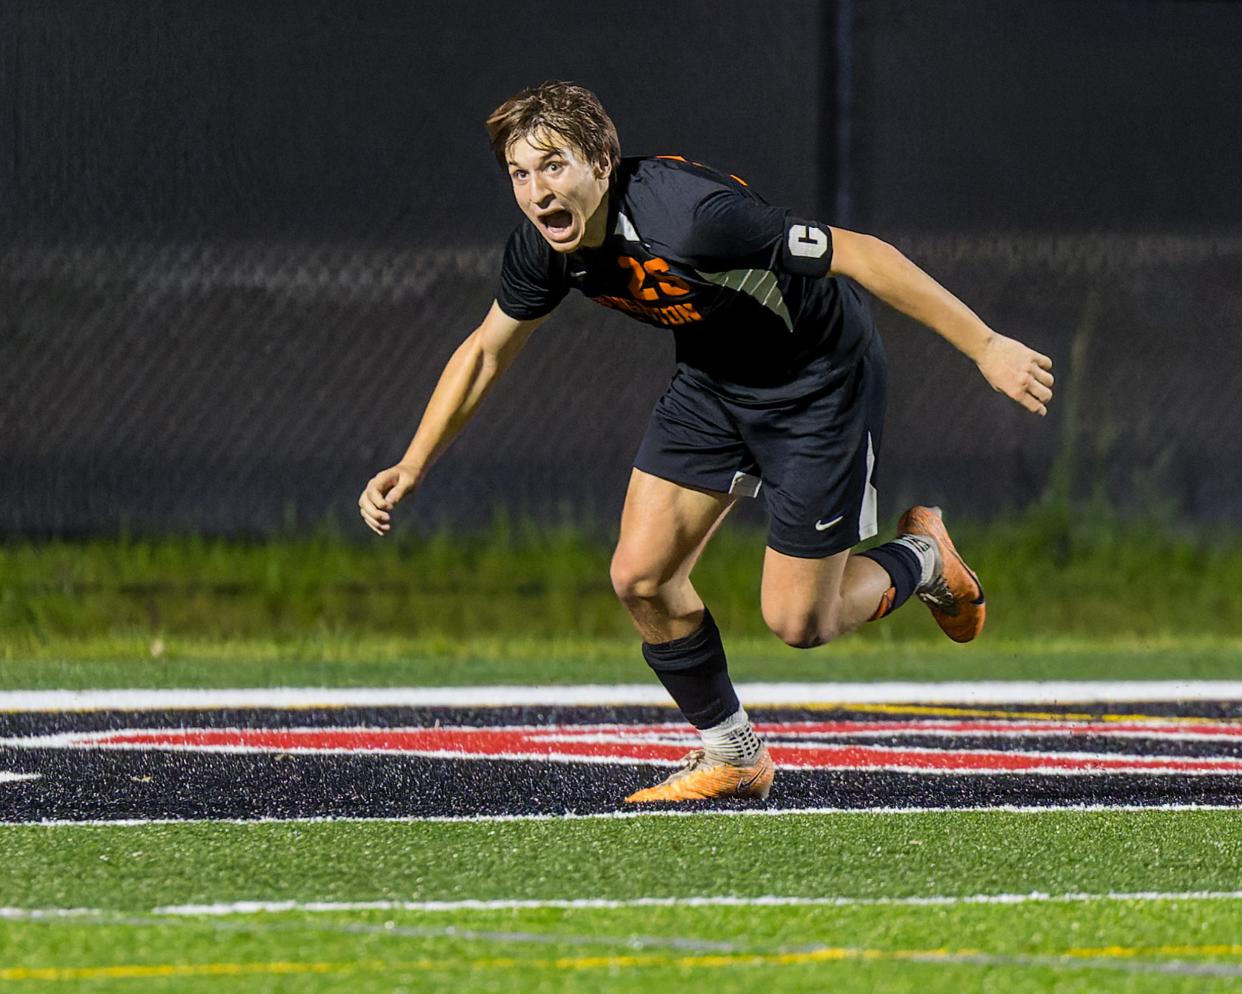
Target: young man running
{"x":779,"y":390}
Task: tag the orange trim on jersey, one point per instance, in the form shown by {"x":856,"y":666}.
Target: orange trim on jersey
{"x":682,"y":158}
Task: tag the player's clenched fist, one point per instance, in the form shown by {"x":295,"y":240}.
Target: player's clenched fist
{"x":383,"y":491}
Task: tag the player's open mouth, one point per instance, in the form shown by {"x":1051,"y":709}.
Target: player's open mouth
{"x":557,"y":223}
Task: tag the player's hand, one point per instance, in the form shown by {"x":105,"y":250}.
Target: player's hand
{"x":1021,"y":374}
{"x":384,"y":490}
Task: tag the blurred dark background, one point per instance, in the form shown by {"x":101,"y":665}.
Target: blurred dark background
{"x":238,"y":242}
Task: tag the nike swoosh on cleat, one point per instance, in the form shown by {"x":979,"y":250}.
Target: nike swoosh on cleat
{"x":823,"y":526}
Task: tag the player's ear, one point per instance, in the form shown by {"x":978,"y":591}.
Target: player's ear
{"x":603,"y":169}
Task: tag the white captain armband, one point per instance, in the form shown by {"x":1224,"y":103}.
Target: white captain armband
{"x":807,"y":248}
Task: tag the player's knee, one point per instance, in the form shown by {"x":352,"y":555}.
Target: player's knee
{"x":802,"y":629}
{"x":803,"y":636}
{"x":634,"y":581}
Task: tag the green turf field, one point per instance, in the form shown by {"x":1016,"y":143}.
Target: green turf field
{"x":1102,"y":900}
{"x":1133,"y":901}
{"x":340,"y":661}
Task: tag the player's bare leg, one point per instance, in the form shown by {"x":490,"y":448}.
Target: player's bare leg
{"x":664,"y":529}
{"x":809,"y":602}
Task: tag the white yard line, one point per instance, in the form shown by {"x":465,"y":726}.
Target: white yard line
{"x":1031,"y":809}
{"x":7,"y":777}
{"x":775,"y":901}
{"x":241,"y":908}
{"x":754,"y":694}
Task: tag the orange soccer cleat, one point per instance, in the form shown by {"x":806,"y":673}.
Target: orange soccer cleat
{"x":701,"y":778}
{"x":954,"y":593}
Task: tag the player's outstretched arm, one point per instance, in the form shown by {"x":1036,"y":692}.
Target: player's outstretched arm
{"x":1020,"y":373}
{"x":468,"y":376}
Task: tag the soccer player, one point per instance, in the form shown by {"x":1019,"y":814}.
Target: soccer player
{"x":779,"y":391}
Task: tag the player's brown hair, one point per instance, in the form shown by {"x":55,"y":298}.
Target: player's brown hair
{"x":556,"y":107}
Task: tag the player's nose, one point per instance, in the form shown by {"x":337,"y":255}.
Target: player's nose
{"x":540,"y":194}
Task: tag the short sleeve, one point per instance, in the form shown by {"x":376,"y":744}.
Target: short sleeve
{"x":732,"y":227}
{"x":532,"y":276}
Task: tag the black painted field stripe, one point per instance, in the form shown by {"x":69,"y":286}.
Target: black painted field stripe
{"x":49,"y":722}
{"x":135,"y":785}
{"x":86,"y":784}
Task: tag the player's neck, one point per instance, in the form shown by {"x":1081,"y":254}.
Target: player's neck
{"x":597,"y":224}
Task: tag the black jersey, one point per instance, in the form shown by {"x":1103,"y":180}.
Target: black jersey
{"x":742,"y":284}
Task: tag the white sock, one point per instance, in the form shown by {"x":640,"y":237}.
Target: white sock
{"x":733,"y":740}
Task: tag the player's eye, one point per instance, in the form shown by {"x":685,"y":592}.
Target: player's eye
{"x":519,"y":174}
{"x":555,"y":167}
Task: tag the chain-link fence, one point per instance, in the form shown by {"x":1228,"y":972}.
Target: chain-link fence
{"x":244,"y":388}
{"x":235,"y":243}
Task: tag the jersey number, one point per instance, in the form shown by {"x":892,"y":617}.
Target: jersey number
{"x":666,"y":284}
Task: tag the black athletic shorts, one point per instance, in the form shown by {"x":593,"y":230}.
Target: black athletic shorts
{"x":813,"y":458}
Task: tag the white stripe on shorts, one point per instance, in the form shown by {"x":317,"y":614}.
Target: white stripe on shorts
{"x":745,"y":485}
{"x":867,"y":513}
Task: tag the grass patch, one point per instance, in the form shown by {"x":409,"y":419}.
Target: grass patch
{"x":137,"y":868}
{"x":528,"y":594}
{"x":370,"y":661}
{"x":1103,"y":944}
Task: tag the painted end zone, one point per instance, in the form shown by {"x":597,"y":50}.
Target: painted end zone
{"x":228,"y":759}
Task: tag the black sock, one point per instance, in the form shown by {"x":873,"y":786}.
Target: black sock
{"x":905,"y":569}
{"x":694,"y":672}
